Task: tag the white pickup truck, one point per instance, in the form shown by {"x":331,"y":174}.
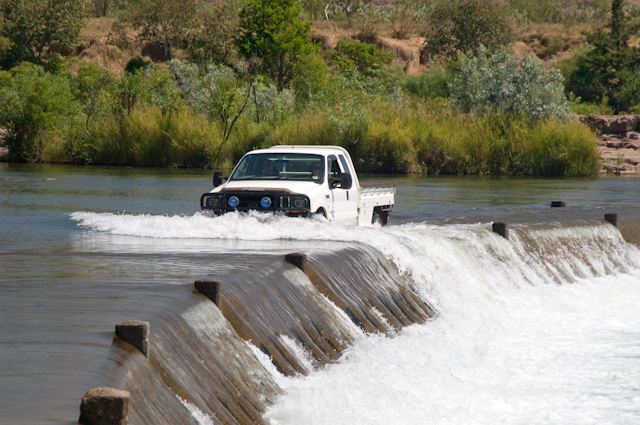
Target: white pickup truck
{"x":301,"y":181}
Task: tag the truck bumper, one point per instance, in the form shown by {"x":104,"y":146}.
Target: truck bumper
{"x":243,"y":201}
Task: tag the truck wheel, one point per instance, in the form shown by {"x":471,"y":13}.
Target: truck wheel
{"x":380,"y":217}
{"x":321,"y":212}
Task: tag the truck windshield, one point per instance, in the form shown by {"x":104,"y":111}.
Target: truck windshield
{"x":280,"y":166}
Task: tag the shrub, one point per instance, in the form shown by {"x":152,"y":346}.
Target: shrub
{"x":364,"y":57}
{"x":518,"y":87}
{"x":428,"y":85}
{"x":33,"y":103}
{"x":464,"y":25}
{"x":136,"y":63}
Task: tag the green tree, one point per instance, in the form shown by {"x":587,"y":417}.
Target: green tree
{"x":464,"y":25}
{"x":272,"y":31}
{"x":38,"y":27}
{"x":32,"y":102}
{"x":213,"y":37}
{"x":604,"y":71}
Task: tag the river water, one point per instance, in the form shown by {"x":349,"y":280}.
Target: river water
{"x":541,"y":329}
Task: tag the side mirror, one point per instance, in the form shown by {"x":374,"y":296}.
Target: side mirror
{"x":217,"y":178}
{"x":346,"y":181}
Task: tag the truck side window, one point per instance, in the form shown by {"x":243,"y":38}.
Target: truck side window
{"x":334,"y":167}
{"x":343,"y":161}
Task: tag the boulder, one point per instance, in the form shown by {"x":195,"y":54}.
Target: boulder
{"x":620,"y":124}
{"x":611,"y":124}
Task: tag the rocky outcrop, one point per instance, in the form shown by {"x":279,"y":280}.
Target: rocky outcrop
{"x":611,"y":124}
{"x":618,"y":142}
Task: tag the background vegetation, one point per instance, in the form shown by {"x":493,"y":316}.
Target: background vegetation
{"x":422,"y":86}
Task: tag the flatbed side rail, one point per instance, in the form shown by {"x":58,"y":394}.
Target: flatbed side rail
{"x":374,"y":189}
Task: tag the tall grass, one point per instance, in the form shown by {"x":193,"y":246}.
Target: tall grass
{"x":148,"y":138}
{"x":431,"y":138}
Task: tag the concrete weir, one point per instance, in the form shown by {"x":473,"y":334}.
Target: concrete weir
{"x":202,"y":355}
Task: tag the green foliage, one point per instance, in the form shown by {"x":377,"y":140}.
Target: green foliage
{"x":465,"y":25}
{"x":32,"y":103}
{"x":314,"y":9}
{"x":149,"y":138}
{"x":271,"y":30}
{"x":135,"y":64}
{"x":213,"y":39}
{"x":429,"y":137}
{"x":309,"y":77}
{"x":579,"y":107}
{"x":607,"y":68}
{"x":428,"y":85}
{"x":39,"y":27}
{"x":361,"y":67}
{"x":365,"y":57}
{"x":220,"y":95}
{"x":92,"y":87}
{"x":517,"y":87}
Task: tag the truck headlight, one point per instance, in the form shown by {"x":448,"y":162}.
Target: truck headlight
{"x":234,"y":202}
{"x":213,"y":202}
{"x":265,"y":202}
{"x":299,"y":203}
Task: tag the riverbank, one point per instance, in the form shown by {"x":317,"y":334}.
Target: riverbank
{"x":618,"y":142}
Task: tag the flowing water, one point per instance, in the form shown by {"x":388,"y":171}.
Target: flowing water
{"x":434,"y":319}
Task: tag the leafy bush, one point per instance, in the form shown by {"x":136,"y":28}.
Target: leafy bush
{"x":32,"y":104}
{"x":221,"y":95}
{"x":428,"y":85}
{"x":464,"y":25}
{"x":136,"y":63}
{"x":364,"y":57}
{"x":518,"y":87}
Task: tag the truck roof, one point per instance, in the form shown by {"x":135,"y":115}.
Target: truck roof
{"x":314,"y":149}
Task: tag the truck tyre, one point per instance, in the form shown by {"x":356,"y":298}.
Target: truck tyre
{"x":380,"y":217}
{"x":321,"y":212}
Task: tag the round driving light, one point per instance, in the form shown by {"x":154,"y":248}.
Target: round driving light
{"x":265,"y":202}
{"x":234,"y":201}
{"x":298,"y":203}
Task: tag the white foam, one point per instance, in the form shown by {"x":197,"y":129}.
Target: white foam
{"x":542,"y":335}
{"x":536,"y":355}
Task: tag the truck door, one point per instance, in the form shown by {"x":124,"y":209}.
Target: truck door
{"x":344,"y":203}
